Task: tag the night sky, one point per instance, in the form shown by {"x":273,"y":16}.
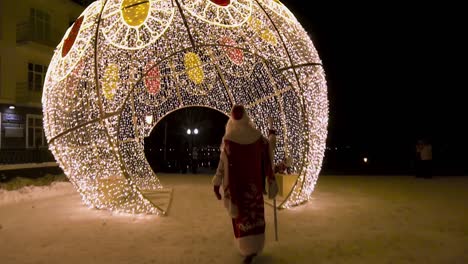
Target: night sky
{"x":391,"y":69}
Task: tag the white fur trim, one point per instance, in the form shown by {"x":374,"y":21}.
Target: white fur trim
{"x":249,"y":245}
{"x":241,"y":131}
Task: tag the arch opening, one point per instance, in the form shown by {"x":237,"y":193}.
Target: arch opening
{"x":186,"y":140}
{"x":277,"y":94}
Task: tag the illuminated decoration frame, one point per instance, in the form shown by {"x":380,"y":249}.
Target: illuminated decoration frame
{"x":125,"y":62}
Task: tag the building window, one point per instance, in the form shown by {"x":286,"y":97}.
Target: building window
{"x":40,"y":21}
{"x":34,"y":131}
{"x":1,"y":25}
{"x":36,"y":76}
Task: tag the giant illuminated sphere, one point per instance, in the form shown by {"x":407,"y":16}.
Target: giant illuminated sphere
{"x":124,"y":62}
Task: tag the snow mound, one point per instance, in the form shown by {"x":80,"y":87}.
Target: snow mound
{"x":35,"y":192}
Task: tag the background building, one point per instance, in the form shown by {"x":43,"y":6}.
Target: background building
{"x":29,"y":32}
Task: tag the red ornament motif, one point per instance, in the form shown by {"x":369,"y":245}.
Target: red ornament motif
{"x":221,"y":2}
{"x":235,"y":55}
{"x":70,"y":40}
{"x":73,"y":79}
{"x":153,"y":80}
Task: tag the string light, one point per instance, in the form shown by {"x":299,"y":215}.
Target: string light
{"x":125,"y":64}
{"x":149,"y":119}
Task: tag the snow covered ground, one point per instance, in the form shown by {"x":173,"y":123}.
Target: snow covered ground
{"x":351,"y":219}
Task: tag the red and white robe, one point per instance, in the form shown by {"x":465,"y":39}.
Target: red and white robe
{"x":241,"y":172}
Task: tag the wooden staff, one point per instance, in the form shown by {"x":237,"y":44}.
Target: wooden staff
{"x":272,"y":140}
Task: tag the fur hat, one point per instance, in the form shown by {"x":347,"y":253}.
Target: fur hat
{"x":240,"y":128}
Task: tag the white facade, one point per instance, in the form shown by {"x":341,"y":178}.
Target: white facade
{"x":29,"y":32}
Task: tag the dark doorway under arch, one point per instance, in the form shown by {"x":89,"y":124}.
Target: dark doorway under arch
{"x":169,"y":148}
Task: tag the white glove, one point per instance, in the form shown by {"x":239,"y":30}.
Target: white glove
{"x":272,"y":190}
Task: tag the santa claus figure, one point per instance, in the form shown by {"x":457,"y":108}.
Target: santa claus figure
{"x":244,"y":163}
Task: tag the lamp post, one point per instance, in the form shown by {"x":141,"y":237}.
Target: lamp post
{"x":194,"y":157}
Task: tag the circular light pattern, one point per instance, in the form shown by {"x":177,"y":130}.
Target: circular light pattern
{"x":135,"y":24}
{"x":220,"y":12}
{"x":148,"y":61}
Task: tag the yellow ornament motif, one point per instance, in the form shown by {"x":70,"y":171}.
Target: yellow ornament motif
{"x":193,"y":67}
{"x":265,"y":33}
{"x":110,"y":80}
{"x":268,"y":36}
{"x":135,"y":12}
{"x":256,"y":24}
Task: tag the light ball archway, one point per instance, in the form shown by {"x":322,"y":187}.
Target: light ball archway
{"x":123,"y":61}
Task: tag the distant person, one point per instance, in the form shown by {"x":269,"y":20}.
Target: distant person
{"x":185,"y":158}
{"x":284,"y":167}
{"x":195,"y":160}
{"x":424,"y":159}
{"x":244,"y":160}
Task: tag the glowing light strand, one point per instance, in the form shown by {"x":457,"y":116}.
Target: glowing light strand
{"x":154,"y":60}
